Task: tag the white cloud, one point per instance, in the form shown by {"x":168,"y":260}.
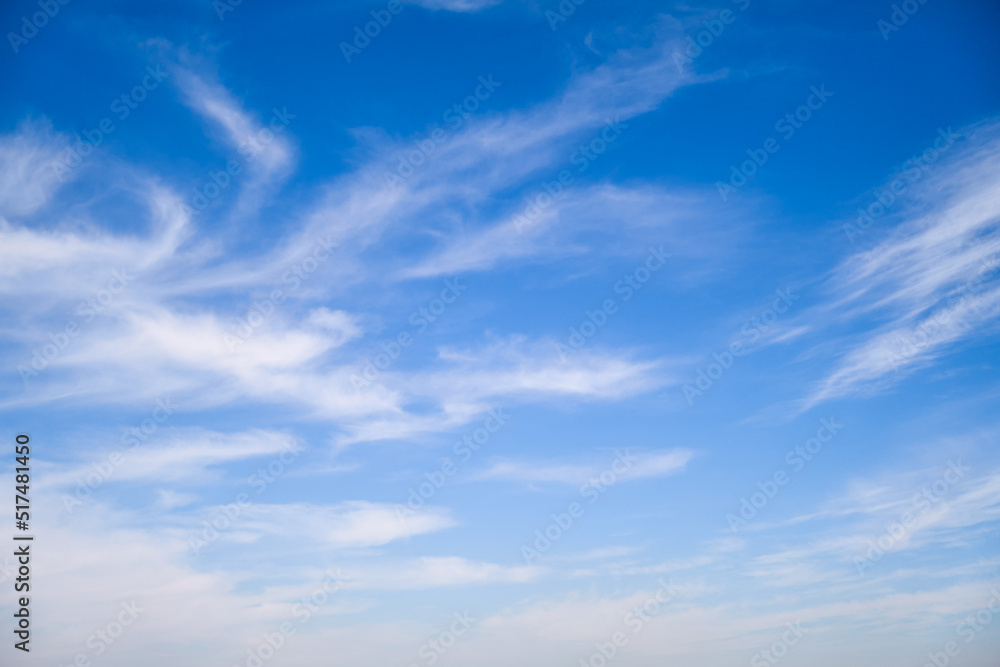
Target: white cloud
{"x":27,"y":177}
{"x":242,"y":131}
{"x":177,"y":455}
{"x":515,"y":365}
{"x":493,"y":156}
{"x":351,"y":524}
{"x":646,"y":464}
{"x":65,"y":264}
{"x":342,"y":326}
{"x":262,"y":148}
{"x":931,"y":283}
{"x":456,"y":5}
{"x":522,"y":471}
{"x":641,"y":214}
{"x":168,"y":332}
{"x":440,"y":571}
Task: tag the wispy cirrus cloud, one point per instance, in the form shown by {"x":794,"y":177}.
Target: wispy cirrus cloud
{"x":646,"y":464}
{"x":351,"y":524}
{"x":240,"y":129}
{"x":27,"y":177}
{"x":178,"y":455}
{"x":63,"y":264}
{"x":456,"y":5}
{"x":302,"y":360}
{"x":927,"y":284}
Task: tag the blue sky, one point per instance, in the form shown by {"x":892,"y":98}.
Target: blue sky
{"x":509,"y":333}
